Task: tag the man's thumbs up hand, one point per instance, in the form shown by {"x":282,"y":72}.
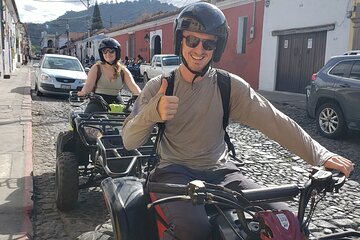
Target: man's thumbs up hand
{"x":168,"y":105}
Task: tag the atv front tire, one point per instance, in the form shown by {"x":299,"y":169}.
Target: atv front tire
{"x":66,"y":181}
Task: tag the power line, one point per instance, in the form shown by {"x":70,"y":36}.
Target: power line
{"x":55,"y":1}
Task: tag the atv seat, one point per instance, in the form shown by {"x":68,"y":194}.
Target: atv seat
{"x":126,"y":202}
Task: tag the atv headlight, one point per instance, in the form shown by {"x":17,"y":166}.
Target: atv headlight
{"x":92,"y":133}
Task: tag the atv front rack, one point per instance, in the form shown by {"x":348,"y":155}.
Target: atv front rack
{"x":119,"y":162}
{"x":92,"y":126}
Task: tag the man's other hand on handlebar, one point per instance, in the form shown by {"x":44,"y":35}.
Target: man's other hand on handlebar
{"x":341,"y":164}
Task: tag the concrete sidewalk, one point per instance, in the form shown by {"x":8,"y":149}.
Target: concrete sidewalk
{"x":294,"y":99}
{"x":16,"y":156}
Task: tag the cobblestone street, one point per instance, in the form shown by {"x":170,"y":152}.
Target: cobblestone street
{"x":50,"y":116}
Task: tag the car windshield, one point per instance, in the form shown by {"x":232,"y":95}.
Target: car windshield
{"x":171,"y":60}
{"x":62,"y":63}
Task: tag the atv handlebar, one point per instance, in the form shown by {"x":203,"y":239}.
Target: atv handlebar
{"x":198,"y":192}
{"x":319,"y":180}
{"x":77,"y":101}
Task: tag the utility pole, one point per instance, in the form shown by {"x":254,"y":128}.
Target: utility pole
{"x":67,"y":37}
{"x":87,"y":5}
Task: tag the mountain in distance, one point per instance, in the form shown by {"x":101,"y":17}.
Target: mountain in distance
{"x":112,"y":15}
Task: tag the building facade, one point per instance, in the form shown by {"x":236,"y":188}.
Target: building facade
{"x":13,"y":45}
{"x":273,"y":44}
{"x":299,"y":36}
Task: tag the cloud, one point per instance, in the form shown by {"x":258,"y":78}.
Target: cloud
{"x":45,"y":10}
{"x":29,"y":8}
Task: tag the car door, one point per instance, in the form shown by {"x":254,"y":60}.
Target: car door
{"x":348,"y":94}
{"x":155,"y":69}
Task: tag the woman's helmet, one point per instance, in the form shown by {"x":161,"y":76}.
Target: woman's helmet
{"x":202,"y":17}
{"x":110,"y":43}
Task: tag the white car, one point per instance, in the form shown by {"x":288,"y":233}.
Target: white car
{"x":58,"y":74}
{"x":160,"y":64}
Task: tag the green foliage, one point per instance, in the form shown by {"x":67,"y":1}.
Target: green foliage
{"x":96,"y":19}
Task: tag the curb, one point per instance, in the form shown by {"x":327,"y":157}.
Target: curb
{"x":27,"y":229}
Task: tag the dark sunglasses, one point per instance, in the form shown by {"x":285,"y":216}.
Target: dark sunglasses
{"x":192,"y":42}
{"x":108,"y":50}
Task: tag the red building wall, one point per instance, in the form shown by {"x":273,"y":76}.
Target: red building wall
{"x":245,"y":65}
{"x":168,"y":38}
{"x":122,"y":40}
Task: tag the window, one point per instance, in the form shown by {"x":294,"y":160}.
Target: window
{"x":355,"y":71}
{"x":171,"y":61}
{"x":341,"y":69}
{"x":241,"y":36}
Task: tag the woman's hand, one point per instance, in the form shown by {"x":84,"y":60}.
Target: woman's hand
{"x":81,"y":93}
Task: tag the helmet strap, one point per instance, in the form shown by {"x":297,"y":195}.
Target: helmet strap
{"x":197,"y":73}
{"x":110,"y":63}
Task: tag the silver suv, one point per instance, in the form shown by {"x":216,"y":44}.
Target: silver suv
{"x":333,"y":98}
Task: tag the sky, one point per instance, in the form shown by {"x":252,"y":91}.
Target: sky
{"x":40,"y":11}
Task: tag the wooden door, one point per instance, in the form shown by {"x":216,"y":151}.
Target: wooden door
{"x":300,"y":55}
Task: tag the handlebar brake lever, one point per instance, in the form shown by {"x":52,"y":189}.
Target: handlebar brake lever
{"x":339,"y":181}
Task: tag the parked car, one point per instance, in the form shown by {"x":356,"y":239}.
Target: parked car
{"x":333,"y":98}
{"x":58,"y":74}
{"x":160,"y":64}
{"x":352,"y":52}
{"x":36,"y":56}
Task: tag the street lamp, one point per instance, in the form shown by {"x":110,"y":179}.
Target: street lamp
{"x":147,"y":38}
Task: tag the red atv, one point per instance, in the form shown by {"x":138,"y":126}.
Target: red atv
{"x":233,"y":215}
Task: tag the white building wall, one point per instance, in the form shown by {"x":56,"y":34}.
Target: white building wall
{"x":8,"y":51}
{"x":290,"y":14}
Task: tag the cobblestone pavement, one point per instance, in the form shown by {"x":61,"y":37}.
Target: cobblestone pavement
{"x":50,"y":115}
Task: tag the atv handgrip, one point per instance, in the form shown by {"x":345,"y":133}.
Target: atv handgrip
{"x":167,"y":188}
{"x":254,"y":195}
{"x":271,"y":193}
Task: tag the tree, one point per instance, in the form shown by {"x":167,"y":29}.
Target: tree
{"x":96,"y":19}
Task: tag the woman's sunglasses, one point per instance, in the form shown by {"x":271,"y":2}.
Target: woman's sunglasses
{"x":192,"y":42}
{"x":108,"y":50}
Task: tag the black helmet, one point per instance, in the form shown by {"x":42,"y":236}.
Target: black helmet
{"x":202,"y":17}
{"x":109,"y":43}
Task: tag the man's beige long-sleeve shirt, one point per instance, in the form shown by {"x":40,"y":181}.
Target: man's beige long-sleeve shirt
{"x":195,"y":137}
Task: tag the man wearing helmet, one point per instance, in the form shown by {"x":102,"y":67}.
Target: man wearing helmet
{"x":109,"y":81}
{"x":192,"y":146}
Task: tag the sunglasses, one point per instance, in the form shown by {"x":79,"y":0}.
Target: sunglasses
{"x":108,"y":50}
{"x":192,"y":42}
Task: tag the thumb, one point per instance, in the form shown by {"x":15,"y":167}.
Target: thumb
{"x":163,"y":87}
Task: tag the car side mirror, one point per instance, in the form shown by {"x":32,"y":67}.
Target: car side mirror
{"x":87,"y":69}
{"x":36,"y":65}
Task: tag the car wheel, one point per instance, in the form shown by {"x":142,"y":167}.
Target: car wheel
{"x":146,"y":78}
{"x":66,"y":181}
{"x":37,"y":91}
{"x":330,"y":121}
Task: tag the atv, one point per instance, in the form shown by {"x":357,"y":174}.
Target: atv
{"x":79,"y":150}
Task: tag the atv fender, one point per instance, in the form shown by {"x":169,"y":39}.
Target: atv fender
{"x":126,"y":202}
{"x":65,"y":142}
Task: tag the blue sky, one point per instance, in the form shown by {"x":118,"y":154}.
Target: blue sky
{"x":40,"y":11}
